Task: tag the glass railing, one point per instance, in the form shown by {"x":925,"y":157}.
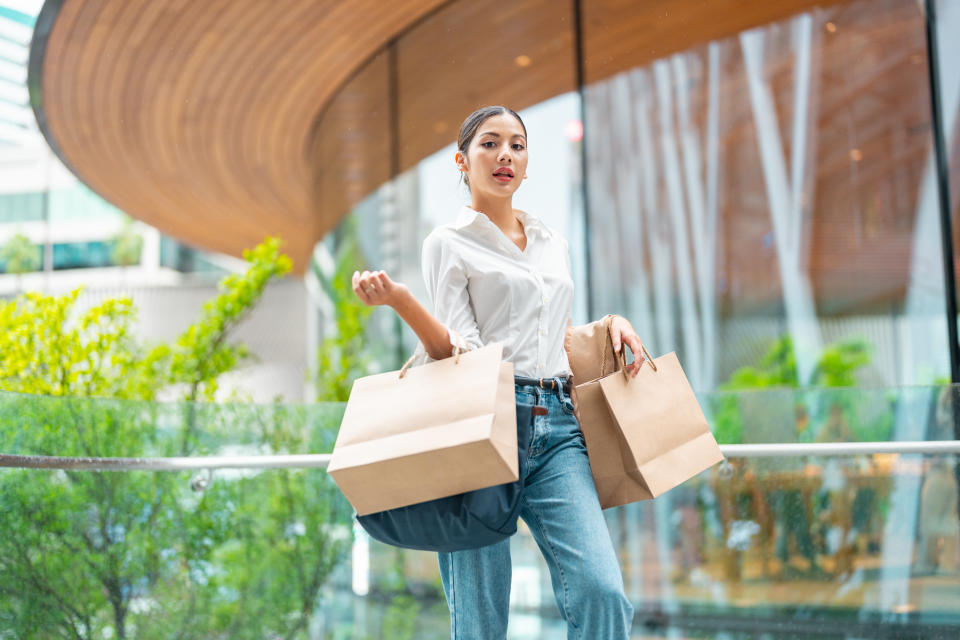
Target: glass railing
{"x":842,"y":546}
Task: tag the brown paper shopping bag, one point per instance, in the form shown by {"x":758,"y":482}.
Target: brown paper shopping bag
{"x":644,"y":435}
{"x":427,"y":432}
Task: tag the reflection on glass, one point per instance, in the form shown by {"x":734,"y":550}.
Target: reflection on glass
{"x":776,"y":183}
{"x":238,"y":553}
{"x":750,"y":547}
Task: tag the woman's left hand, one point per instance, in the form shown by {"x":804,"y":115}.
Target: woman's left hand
{"x":622,"y":333}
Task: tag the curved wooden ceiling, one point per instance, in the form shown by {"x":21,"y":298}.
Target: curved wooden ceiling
{"x":195,"y":117}
{"x":222,"y":121}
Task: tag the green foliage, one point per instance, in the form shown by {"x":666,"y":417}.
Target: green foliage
{"x":837,"y":367}
{"x":777,"y":368}
{"x":840,"y":361}
{"x":201,"y":354}
{"x":48,"y":349}
{"x":343,"y":356}
{"x":19,"y":255}
{"x":137,"y":554}
{"x":400,"y":620}
{"x":126,"y":246}
{"x":727,"y":424}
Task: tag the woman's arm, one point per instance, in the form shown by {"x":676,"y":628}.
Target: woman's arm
{"x":376,"y":288}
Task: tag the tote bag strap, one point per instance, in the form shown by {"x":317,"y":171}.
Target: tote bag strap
{"x":459,"y":348}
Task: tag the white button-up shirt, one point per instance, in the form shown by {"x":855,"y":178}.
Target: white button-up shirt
{"x":488,"y":290}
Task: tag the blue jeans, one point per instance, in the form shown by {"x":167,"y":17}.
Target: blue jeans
{"x":561,"y":508}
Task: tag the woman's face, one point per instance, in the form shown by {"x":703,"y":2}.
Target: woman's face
{"x":496,"y":159}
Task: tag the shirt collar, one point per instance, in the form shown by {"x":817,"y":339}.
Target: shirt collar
{"x":469,"y":217}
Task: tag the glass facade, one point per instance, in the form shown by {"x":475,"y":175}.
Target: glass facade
{"x":780,"y":547}
{"x":755,"y":189}
{"x":771,"y":185}
{"x":80,"y":255}
{"x":74,"y":203}
{"x":776,"y":183}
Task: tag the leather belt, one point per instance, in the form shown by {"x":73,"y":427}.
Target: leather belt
{"x":547,"y":384}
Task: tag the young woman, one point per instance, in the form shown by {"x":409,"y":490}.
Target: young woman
{"x":498,"y":274}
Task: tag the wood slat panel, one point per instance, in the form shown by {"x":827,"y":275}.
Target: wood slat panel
{"x":225,"y":120}
{"x":196,"y":117}
{"x":351,"y":152}
{"x":464,"y":57}
{"x":623,"y":34}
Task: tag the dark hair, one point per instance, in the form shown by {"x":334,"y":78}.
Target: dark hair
{"x":470,"y":126}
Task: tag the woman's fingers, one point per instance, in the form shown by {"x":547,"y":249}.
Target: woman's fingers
{"x":625,"y":336}
{"x":636,"y":348}
{"x":361,"y":287}
{"x":380,"y":280}
{"x":370,"y":286}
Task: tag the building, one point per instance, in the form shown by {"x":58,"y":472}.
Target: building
{"x":74,"y":232}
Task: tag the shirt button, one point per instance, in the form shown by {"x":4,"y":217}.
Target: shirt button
{"x":543,"y":332}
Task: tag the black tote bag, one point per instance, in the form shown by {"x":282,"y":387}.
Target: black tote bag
{"x":465,"y":521}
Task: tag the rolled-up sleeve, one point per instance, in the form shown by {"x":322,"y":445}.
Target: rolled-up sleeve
{"x":446,"y":280}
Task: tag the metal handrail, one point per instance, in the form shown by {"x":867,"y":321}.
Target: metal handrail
{"x":321,"y":460}
{"x":304,"y":461}
{"x":839,"y":448}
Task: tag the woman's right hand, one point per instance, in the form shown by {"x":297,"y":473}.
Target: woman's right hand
{"x":376,"y":287}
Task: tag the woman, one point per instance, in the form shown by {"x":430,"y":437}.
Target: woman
{"x":498,"y":274}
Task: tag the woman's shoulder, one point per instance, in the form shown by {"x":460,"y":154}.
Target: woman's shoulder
{"x":453,"y":230}
{"x":439,"y":246}
{"x":439,"y":236}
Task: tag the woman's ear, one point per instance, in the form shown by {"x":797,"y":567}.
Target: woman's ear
{"x":461,"y":161}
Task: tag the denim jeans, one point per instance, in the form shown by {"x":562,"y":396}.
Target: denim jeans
{"x":561,"y":508}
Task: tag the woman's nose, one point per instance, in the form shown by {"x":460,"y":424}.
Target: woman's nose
{"x":505,"y":155}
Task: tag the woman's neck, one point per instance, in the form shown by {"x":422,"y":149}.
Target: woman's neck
{"x":500,"y":213}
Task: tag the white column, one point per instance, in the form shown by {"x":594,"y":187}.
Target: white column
{"x":678,"y":219}
{"x":656,"y":226}
{"x":785,"y":193}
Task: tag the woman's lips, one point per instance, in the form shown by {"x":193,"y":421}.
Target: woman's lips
{"x":502,"y":177}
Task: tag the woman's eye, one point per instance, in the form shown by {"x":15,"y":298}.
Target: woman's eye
{"x":518,"y":147}
{"x":488,"y":144}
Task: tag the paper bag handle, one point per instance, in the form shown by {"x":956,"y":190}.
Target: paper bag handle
{"x":457,"y":350}
{"x":623,"y":359}
{"x":623,"y":356}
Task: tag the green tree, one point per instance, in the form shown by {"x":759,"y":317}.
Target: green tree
{"x":20,"y":256}
{"x":135,"y":554}
{"x":343,"y":356}
{"x":837,"y":367}
{"x":126,"y":246}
